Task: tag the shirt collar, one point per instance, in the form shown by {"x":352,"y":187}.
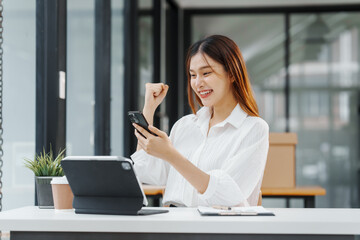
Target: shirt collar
{"x":236,"y":118}
{"x":203,"y":118}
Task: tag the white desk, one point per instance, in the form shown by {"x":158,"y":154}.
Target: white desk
{"x":181,"y":223}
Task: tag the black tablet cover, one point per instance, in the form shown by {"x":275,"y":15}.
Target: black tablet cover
{"x":105,"y":185}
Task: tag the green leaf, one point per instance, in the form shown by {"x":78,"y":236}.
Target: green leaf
{"x":44,"y":163}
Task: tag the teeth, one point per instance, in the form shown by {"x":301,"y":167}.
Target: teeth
{"x":204,"y":93}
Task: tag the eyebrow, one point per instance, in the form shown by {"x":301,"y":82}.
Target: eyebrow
{"x":203,"y":67}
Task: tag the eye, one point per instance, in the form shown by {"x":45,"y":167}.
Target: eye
{"x":207,"y":73}
{"x":192,"y":75}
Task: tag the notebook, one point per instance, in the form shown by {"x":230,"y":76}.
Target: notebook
{"x":234,"y":211}
{"x":105,"y":185}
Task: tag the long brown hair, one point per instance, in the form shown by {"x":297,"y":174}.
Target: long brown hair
{"x":225,"y":51}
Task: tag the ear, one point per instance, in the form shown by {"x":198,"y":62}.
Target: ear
{"x":232,"y":79}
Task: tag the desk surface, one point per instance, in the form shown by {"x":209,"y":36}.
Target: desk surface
{"x":153,"y":189}
{"x":296,"y":191}
{"x":186,"y":220}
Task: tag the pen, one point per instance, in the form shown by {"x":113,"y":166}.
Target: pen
{"x":221,"y":207}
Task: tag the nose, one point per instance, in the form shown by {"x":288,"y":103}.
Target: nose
{"x":198,"y":81}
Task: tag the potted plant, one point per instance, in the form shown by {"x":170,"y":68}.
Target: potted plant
{"x":45,"y":167}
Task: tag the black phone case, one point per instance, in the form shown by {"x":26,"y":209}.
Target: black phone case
{"x":138,"y":118}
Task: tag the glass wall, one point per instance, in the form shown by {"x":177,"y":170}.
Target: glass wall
{"x":117,"y":77}
{"x":19,"y":61}
{"x":80,"y":99}
{"x":325,"y":86}
{"x":81,"y":73}
{"x":146,"y":65}
{"x":18,"y":102}
{"x":324,"y":92}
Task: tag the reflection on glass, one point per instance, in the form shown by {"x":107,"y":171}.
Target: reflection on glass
{"x":324,"y":75}
{"x":145,"y":4}
{"x":260,"y":39}
{"x":145,"y":55}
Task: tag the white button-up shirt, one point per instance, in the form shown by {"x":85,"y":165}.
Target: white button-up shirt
{"x":233,"y":153}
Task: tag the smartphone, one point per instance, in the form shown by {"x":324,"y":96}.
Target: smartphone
{"x":138,"y":118}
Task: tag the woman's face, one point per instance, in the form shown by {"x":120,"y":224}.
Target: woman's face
{"x":210,"y":81}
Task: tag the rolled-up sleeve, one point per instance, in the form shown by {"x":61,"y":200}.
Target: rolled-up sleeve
{"x":149,"y":169}
{"x":239,"y":176}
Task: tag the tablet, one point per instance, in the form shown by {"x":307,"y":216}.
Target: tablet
{"x":105,"y":185}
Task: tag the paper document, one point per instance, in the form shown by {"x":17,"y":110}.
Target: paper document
{"x":235,"y":211}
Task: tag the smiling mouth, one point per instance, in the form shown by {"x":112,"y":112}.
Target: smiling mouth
{"x":205,"y":94}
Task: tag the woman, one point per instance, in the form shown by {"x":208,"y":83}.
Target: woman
{"x":217,"y":155}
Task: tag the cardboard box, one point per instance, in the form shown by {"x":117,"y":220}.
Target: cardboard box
{"x":280,"y":165}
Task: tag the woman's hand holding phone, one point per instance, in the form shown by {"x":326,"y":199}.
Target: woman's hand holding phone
{"x":139,"y":119}
{"x":158,"y":146}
